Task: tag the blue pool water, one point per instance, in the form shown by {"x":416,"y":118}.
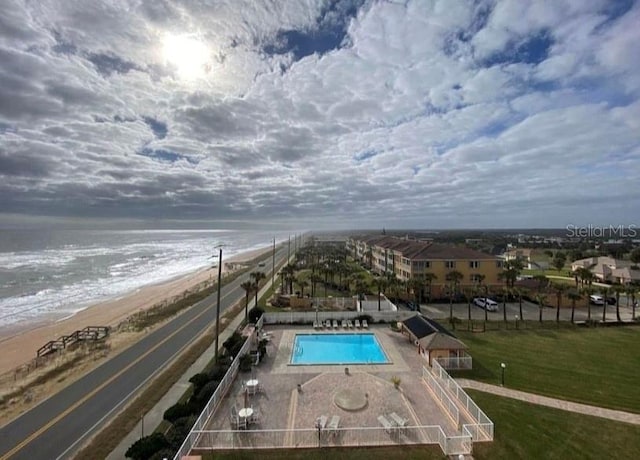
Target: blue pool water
{"x":337,"y":349}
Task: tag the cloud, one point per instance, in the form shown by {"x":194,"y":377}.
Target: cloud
{"x":334,"y":114}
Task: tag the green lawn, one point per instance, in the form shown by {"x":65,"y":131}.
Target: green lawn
{"x":596,"y":366}
{"x":524,"y":430}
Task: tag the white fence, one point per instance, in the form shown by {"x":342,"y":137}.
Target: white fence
{"x":309,"y":438}
{"x":482,"y":427}
{"x":441,"y":395}
{"x":458,"y":363}
{"x":213,"y":403}
{"x":308,"y":317}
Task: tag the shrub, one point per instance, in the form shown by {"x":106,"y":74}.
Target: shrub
{"x":146,"y":447}
{"x":254,"y":314}
{"x":178,"y":410}
{"x":245,"y":362}
{"x":233,"y":344}
{"x":199,"y":381}
{"x":218,"y":372}
{"x":202,"y":397}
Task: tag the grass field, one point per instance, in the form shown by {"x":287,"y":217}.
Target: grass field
{"x":524,"y":430}
{"x":596,"y":366}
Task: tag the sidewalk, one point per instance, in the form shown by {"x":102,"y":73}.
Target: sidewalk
{"x":616,"y":415}
{"x":153,"y":418}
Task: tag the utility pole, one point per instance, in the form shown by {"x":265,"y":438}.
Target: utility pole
{"x":273,"y":261}
{"x":289,"y":250}
{"x":218,"y":303}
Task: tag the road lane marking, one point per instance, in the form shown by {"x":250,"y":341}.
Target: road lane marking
{"x":88,"y":396}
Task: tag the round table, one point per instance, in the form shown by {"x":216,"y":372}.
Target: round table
{"x":252,"y":385}
{"x":245,"y":412}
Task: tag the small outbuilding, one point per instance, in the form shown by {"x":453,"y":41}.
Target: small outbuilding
{"x":434,"y":342}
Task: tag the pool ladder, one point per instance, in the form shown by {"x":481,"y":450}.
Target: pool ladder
{"x":298,"y":351}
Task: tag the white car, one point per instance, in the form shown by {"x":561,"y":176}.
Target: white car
{"x":596,"y":300}
{"x":483,"y":302}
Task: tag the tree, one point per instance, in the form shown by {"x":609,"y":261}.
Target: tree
{"x":574,"y":296}
{"x":518,"y":292}
{"x":453,"y":278}
{"x":541,"y":299}
{"x":248,"y":288}
{"x":559,"y":260}
{"x":511,"y":271}
{"x":429,"y":278}
{"x":559,"y":290}
{"x":302,"y":284}
{"x":606,"y":292}
{"x":617,"y":291}
{"x":381,"y":283}
{"x":634,"y":256}
{"x":257,"y":277}
{"x":315,"y":279}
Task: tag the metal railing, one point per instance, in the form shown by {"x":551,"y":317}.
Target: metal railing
{"x":212,"y":440}
{"x":458,"y":363}
{"x":308,"y":317}
{"x":482,"y":428}
{"x":225,"y":384}
{"x":450,"y":407}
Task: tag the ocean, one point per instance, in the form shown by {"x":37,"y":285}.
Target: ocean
{"x":46,"y":273}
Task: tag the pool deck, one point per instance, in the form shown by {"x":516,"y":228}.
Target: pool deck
{"x":294,"y":396}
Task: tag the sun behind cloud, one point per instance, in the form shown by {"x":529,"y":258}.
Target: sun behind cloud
{"x":188,"y":55}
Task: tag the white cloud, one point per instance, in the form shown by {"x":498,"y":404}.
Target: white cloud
{"x":406,"y":125}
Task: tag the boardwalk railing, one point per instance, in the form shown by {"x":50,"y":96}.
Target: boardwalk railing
{"x":481,"y":427}
{"x":207,"y":441}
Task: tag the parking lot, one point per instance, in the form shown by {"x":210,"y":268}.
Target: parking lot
{"x":530,"y":311}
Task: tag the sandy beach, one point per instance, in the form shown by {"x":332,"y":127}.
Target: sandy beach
{"x":19,"y":344}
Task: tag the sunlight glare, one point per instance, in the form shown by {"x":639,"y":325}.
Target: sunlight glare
{"x":188,"y":55}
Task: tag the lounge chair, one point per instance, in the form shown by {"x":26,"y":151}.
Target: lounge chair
{"x":357,"y":323}
{"x":389,"y":426}
{"x":238,"y":423}
{"x":316,"y":324}
{"x":344,"y":324}
{"x":349,"y":324}
{"x":335,"y":324}
{"x":334,"y":424}
{"x":400,"y":421}
{"x":321,"y":422}
{"x":365,"y":325}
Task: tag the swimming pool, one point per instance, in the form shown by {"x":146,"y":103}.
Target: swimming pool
{"x":337,"y":349}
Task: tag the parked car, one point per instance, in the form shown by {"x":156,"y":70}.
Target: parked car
{"x":611,"y":300}
{"x":488,"y":304}
{"x":596,"y":299}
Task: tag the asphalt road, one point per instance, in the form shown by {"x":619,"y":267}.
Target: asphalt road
{"x":58,"y":426}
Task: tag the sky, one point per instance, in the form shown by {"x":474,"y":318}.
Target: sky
{"x":321,"y":114}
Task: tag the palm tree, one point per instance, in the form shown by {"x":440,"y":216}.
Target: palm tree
{"x":559,"y":289}
{"x":302,"y":284}
{"x":381,"y":284}
{"x":505,"y":293}
{"x":518,"y":292}
{"x":574,"y":296}
{"x":248,"y":288}
{"x":429,"y":278}
{"x":541,"y":299}
{"x":453,"y":278}
{"x":257,"y":277}
{"x":511,"y":271}
{"x":618,"y":290}
{"x":486,"y":312}
{"x":605,"y":291}
{"x":315,"y":279}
